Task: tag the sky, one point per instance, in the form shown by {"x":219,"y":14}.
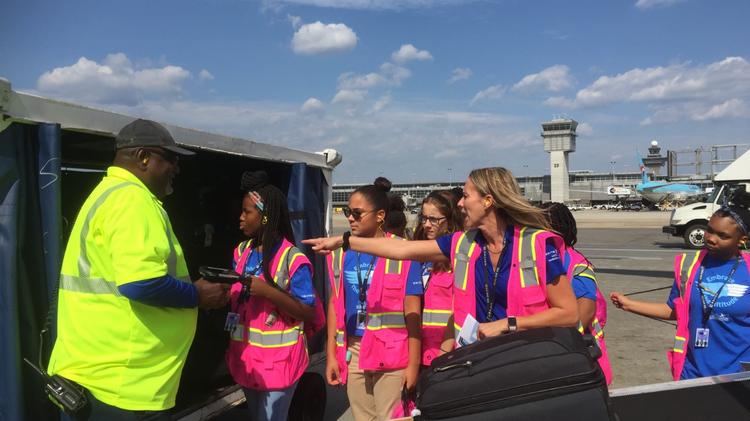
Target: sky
{"x":414,"y":90}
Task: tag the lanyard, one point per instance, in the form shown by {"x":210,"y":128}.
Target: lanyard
{"x":427,"y":270}
{"x":710,"y":307}
{"x":490,"y":275}
{"x":364,"y":283}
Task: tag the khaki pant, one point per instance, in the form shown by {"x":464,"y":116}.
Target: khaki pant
{"x":372,"y":394}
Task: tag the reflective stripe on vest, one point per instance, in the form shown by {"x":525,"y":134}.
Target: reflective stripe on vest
{"x":464,"y":249}
{"x":527,"y":257}
{"x":596,"y":329}
{"x":337,"y":261}
{"x":436,"y":317}
{"x":389,"y":320}
{"x":339,"y":337}
{"x":83,"y":283}
{"x":393,"y":267}
{"x":274,"y":338}
{"x":587,"y":271}
{"x":685,"y":271}
{"x":281,"y":277}
{"x":679,"y":344}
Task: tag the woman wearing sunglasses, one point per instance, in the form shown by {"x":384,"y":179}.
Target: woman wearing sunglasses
{"x":506,"y":265}
{"x":438,"y":216}
{"x":373,"y":314}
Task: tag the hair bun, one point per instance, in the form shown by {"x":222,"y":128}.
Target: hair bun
{"x":254,"y":180}
{"x":396,"y":203}
{"x":383,"y":184}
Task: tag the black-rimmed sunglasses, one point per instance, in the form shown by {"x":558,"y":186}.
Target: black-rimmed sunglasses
{"x":357,"y":214}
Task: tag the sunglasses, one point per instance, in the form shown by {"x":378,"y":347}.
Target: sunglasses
{"x":433,"y":220}
{"x":357,"y":214}
{"x":168,"y":156}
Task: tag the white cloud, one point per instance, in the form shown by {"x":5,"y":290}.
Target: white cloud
{"x":370,"y":4}
{"x":205,"y":75}
{"x":394,"y":74}
{"x":736,"y":108}
{"x":381,"y":103}
{"x":554,"y":78}
{"x":312,"y":106}
{"x":296,"y":21}
{"x":584,"y":129}
{"x":408,"y":52}
{"x":674,"y":92}
{"x":348,"y":95}
{"x":650,"y":4}
{"x":354,"y":81}
{"x":493,"y":92}
{"x":460,"y":73}
{"x":320,"y":38}
{"x":114,"y":81}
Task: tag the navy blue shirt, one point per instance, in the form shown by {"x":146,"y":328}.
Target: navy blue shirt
{"x":729,"y":324}
{"x":351,"y":285}
{"x":482,"y":272}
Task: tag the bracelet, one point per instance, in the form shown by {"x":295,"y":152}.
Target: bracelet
{"x":345,"y":245}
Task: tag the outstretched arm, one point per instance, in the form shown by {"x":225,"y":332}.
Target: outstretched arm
{"x":390,"y":248}
{"x":643,"y":308}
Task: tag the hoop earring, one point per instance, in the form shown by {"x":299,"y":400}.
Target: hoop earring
{"x":380,"y":226}
{"x":264,"y":221}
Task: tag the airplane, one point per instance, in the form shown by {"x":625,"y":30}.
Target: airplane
{"x":666,"y":195}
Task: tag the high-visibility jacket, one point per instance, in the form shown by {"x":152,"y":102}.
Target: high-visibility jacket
{"x":579,"y":266}
{"x":385,"y":344}
{"x":527,"y":283}
{"x":265,"y":356}
{"x":128,"y":354}
{"x":685,"y":270}
{"x":438,"y":308}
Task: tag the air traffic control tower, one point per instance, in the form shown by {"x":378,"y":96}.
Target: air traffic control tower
{"x":559,"y":139}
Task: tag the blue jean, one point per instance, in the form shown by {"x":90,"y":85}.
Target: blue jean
{"x":269,"y":406}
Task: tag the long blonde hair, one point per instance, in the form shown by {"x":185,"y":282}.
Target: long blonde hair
{"x":508,"y":201}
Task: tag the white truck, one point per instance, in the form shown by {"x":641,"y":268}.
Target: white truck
{"x":690,"y":221}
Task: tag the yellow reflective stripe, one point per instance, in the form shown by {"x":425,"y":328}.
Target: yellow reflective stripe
{"x":532,"y":245}
{"x":340,"y":337}
{"x":461,"y":260}
{"x":337,"y":261}
{"x":388,"y":320}
{"x":597,"y":329}
{"x":436,"y":317}
{"x":679,"y":344}
{"x":274,"y":338}
{"x":580,"y":328}
{"x":527,"y":259}
{"x":393,"y":267}
{"x":281,"y":276}
{"x":685,"y":274}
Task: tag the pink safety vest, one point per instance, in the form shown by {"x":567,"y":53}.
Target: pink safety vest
{"x":438,"y":308}
{"x":527,"y":286}
{"x":385,"y":344}
{"x":685,"y":270}
{"x":579,"y":266}
{"x":263,"y":357}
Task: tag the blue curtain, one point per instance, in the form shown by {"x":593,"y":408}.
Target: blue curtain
{"x":29,"y":261}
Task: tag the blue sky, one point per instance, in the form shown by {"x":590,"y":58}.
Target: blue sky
{"x":403,"y":88}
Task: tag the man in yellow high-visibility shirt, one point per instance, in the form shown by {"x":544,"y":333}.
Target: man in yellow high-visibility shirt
{"x":127,"y":309}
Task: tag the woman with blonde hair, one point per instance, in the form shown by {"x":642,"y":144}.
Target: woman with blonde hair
{"x":506,"y":264}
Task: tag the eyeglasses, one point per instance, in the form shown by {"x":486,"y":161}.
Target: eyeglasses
{"x":433,"y":220}
{"x":168,"y":156}
{"x":357,"y":214}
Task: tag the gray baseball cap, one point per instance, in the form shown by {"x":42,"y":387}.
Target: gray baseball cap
{"x":148,"y":133}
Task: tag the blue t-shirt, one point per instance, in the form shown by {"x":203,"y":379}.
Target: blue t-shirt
{"x":366,"y":264}
{"x":729,"y":324}
{"x":482,"y":273}
{"x":583,"y":287}
{"x":300,"y":285}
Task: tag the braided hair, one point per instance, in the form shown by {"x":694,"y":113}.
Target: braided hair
{"x":737,"y":206}
{"x":277,"y":225}
{"x":562,"y":222}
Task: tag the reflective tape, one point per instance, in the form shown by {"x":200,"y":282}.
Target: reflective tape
{"x":436,"y":317}
{"x":685,"y":271}
{"x":679,"y":344}
{"x":274,"y":338}
{"x":393,"y":267}
{"x":340,"y":338}
{"x":88,"y":285}
{"x":527,"y":257}
{"x":337,"y":261}
{"x":587,"y":272}
{"x":464,"y":249}
{"x":596,"y":329}
{"x":377,"y":321}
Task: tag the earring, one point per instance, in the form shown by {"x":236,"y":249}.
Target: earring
{"x":264,"y":221}
{"x":145,"y":161}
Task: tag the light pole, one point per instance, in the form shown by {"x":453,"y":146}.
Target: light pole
{"x":612,"y":163}
{"x":526,"y":182}
{"x":450,"y":176}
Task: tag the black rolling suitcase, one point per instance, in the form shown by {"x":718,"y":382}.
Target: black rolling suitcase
{"x":542,"y":374}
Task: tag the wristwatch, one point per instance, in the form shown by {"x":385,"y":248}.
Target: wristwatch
{"x":512,"y":324}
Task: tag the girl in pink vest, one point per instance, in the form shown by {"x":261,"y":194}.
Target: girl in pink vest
{"x":267,"y":353}
{"x":373,"y":313}
{"x":710,"y":298}
{"x":507,"y":269}
{"x":592,"y":306}
{"x":439,"y":215}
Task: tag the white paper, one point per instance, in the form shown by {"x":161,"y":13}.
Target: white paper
{"x":468,"y":332}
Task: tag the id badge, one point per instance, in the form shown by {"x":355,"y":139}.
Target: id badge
{"x":701,"y":337}
{"x":231,"y":322}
